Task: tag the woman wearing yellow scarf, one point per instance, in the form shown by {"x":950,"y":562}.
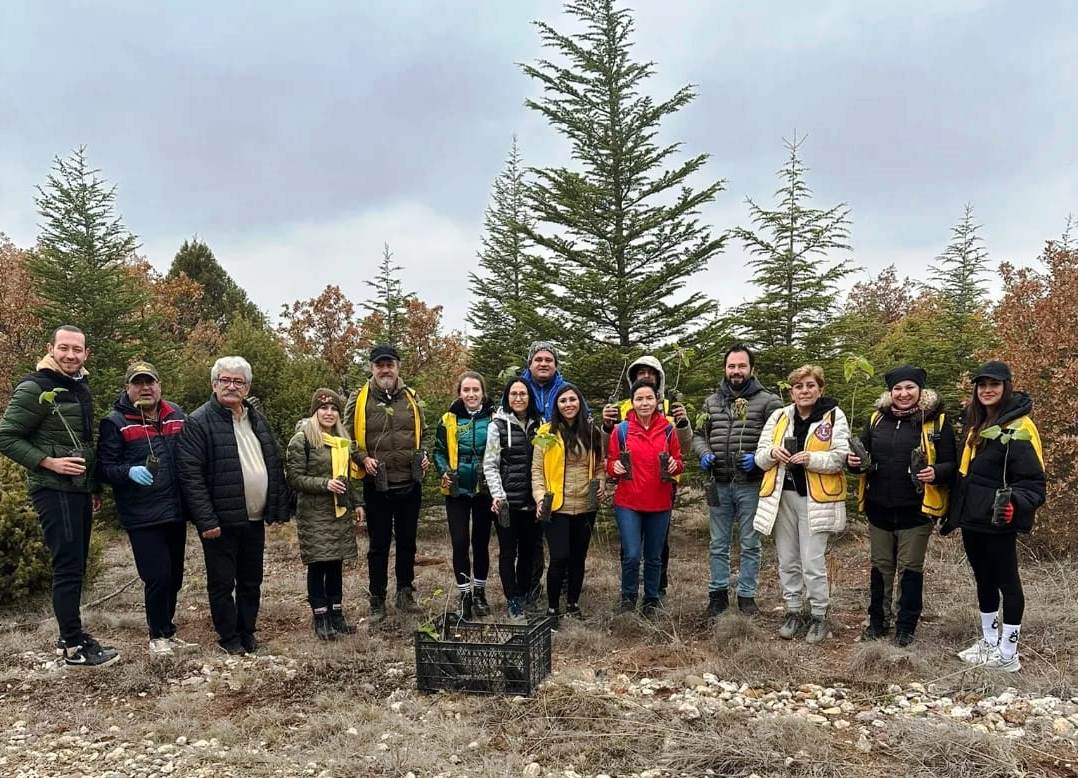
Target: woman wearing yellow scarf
{"x":328,"y":506}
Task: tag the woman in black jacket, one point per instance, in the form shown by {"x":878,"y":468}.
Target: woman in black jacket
{"x":999,"y":488}
{"x":901,"y":504}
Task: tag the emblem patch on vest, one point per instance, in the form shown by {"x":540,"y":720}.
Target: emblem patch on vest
{"x":823,"y":432}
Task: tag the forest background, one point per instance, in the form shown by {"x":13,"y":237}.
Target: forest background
{"x":601,"y":256}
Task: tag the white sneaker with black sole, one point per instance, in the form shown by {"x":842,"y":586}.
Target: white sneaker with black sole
{"x":978,"y":653}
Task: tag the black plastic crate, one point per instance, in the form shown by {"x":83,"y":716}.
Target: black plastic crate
{"x":484,"y":657}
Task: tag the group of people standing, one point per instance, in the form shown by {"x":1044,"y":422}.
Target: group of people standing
{"x":530,"y":464}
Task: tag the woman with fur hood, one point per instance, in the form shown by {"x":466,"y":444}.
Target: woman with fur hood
{"x":903,"y":490}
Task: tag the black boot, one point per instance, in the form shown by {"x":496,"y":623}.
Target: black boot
{"x":322,"y":628}
{"x":748,"y":606}
{"x":479,"y":602}
{"x":465,"y":609}
{"x":909,"y":606}
{"x":877,"y":623}
{"x":378,"y":609}
{"x":338,"y":622}
{"x":717,"y":603}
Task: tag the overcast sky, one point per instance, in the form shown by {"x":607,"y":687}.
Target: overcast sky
{"x":296,"y":137}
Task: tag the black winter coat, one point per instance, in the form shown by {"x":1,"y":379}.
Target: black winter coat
{"x":210,"y":471}
{"x":974,"y":492}
{"x":124,"y":442}
{"x":891,"y":502}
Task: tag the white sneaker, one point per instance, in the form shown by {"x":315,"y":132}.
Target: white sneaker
{"x":179,"y":644}
{"x":997,"y":662}
{"x":160,"y":647}
{"x":978,"y":653}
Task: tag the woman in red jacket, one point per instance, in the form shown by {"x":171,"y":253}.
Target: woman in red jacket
{"x":644,"y":494}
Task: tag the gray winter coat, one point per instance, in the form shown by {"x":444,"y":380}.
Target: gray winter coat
{"x":724,"y":433}
{"x":323,"y":537}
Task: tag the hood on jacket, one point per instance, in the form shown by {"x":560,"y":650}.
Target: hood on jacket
{"x":654,"y":364}
{"x":752,"y":386}
{"x":48,"y":362}
{"x":511,"y":420}
{"x":930,"y":403}
{"x":1020,"y":404}
{"x":462,"y":412}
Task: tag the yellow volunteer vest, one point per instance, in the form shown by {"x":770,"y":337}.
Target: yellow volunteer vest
{"x":822,"y":487}
{"x":449,"y":421}
{"x":969,"y":450}
{"x":554,"y":467}
{"x":936,"y":497}
{"x":359,"y":424}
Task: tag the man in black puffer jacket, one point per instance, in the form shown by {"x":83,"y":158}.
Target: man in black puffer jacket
{"x":136,"y":455}
{"x":233,"y":483}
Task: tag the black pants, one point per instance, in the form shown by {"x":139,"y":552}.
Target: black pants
{"x":516,"y":549}
{"x":994,"y":559}
{"x":391,"y":515}
{"x":325,"y":583}
{"x":158,"y":552}
{"x":568,"y":538}
{"x":470,"y":520}
{"x":234,"y":563}
{"x":66,"y":519}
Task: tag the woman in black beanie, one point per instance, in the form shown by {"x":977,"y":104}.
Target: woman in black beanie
{"x":902,"y":493}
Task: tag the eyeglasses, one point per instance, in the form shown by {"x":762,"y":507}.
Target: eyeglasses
{"x":239,"y":383}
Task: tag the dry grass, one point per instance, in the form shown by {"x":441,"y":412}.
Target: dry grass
{"x":274,"y":725}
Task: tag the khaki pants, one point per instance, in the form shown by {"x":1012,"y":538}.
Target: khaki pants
{"x":802,"y":556}
{"x":900,"y":553}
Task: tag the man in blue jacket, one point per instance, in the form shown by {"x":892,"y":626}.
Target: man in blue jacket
{"x":136,"y":455}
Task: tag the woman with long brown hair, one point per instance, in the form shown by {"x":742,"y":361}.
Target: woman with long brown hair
{"x":1000,"y":486}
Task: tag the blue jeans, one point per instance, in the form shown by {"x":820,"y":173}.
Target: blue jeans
{"x":650,"y":528}
{"x":736,"y":503}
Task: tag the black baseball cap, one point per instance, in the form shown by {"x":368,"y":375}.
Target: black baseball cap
{"x":384,"y":351}
{"x":997,"y":371}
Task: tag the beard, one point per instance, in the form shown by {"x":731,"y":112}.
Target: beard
{"x":386,"y":384}
{"x":737,"y":382}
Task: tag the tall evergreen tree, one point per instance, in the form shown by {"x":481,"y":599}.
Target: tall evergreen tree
{"x":223,"y":300}
{"x":621,"y":232}
{"x":958,"y":278}
{"x":790,"y":322}
{"x":81,"y":267}
{"x":390,"y":299}
{"x":505,"y":292}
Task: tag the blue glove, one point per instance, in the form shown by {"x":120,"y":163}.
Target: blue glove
{"x":140,"y":475}
{"x":706,"y":461}
{"x":748,"y":461}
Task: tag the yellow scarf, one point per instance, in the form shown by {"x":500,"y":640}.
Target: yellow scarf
{"x":339,"y":450}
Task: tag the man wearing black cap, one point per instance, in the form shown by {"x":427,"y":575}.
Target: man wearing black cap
{"x":908,"y":429}
{"x":136,"y":455}
{"x":384,"y":420}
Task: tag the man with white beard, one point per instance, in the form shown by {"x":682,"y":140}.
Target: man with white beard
{"x":384,"y":420}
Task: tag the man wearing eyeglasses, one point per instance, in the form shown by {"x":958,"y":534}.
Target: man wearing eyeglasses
{"x":233,"y":484}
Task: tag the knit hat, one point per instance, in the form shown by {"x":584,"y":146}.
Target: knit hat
{"x":997,"y":371}
{"x":906,"y":373}
{"x":326,"y":396}
{"x":542,"y":345}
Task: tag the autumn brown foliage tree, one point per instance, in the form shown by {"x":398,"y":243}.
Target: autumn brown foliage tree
{"x":20,"y":329}
{"x":1035,"y":323}
{"x":325,"y":326}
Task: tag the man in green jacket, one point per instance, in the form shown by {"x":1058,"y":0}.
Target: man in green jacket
{"x":48,"y":429}
{"x":384,"y":420}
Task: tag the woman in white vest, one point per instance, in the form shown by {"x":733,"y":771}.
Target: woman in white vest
{"x":802,"y":452}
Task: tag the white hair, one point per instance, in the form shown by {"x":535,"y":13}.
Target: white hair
{"x":232,"y":365}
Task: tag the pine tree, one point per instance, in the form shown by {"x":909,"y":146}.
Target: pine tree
{"x":621,"y":232}
{"x":958,"y":278}
{"x":223,"y":300}
{"x":390,"y":299}
{"x":790,"y":322}
{"x":505,"y":294}
{"x":81,"y":267}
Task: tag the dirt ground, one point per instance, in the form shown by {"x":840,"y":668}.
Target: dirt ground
{"x":677,"y":696}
